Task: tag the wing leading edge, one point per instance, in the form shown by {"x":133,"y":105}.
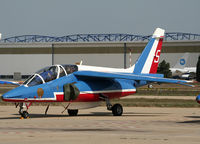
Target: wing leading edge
{"x":9,"y":82}
{"x":139,"y":77}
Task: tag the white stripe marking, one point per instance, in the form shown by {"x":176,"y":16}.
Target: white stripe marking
{"x":105,"y":91}
{"x":149,"y":60}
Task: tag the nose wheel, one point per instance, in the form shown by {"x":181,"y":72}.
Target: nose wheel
{"x":24,"y":113}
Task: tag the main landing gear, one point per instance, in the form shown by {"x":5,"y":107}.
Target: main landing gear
{"x":72,"y":112}
{"x":117,"y":109}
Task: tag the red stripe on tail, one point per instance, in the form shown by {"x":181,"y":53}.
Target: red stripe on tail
{"x":156,"y":58}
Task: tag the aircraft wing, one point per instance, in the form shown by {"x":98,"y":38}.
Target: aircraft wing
{"x":138,"y":77}
{"x":9,"y":82}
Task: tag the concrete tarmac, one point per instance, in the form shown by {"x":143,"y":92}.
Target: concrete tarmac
{"x":160,"y":97}
{"x":138,"y":125}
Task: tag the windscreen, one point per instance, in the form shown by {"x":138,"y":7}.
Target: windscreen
{"x":70,"y":68}
{"x":44,"y":75}
{"x":35,"y":81}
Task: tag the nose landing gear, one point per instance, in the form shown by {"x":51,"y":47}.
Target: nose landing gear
{"x":24,"y":113}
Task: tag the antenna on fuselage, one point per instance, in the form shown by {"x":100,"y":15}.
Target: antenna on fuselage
{"x":81,"y":62}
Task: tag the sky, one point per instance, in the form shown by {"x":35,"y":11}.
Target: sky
{"x":65,"y":17}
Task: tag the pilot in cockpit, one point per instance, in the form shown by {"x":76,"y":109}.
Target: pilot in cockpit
{"x":49,"y":75}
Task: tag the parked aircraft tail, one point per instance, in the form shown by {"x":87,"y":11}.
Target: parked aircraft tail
{"x":149,"y":59}
{"x":181,"y":63}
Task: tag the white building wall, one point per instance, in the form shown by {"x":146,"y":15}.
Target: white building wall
{"x":29,"y":63}
{"x":117,"y":60}
{"x":24,"y":63}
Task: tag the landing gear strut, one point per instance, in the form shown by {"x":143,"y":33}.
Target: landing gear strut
{"x":117,"y":109}
{"x":24,"y":113}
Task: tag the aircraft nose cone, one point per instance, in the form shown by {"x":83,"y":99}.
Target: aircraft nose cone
{"x":198,"y":99}
{"x":10,"y":95}
{"x":13,"y":94}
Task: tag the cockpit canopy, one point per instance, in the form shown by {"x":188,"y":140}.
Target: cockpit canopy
{"x":50,"y":73}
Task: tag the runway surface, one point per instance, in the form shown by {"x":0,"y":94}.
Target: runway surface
{"x":137,"y":125}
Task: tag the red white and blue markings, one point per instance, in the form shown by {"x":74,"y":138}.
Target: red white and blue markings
{"x":85,"y":96}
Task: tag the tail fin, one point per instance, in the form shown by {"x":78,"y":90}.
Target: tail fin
{"x":181,"y":63}
{"x":149,"y":59}
{"x":0,"y":36}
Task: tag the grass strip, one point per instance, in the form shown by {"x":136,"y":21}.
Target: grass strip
{"x":145,"y":102}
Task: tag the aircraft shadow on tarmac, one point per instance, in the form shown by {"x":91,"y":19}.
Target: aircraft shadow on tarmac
{"x":92,"y":114}
{"x":191,"y":121}
{"x":126,"y":114}
{"x":62,"y":129}
{"x":72,"y":129}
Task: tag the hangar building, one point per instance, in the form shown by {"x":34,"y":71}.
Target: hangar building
{"x":28,"y":57}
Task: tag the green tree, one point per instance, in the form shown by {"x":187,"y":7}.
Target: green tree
{"x":163,"y":68}
{"x":198,"y":70}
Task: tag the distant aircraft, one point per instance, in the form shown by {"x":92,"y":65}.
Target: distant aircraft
{"x":81,"y":86}
{"x":180,"y":70}
{"x":9,"y":82}
{"x":198,"y":99}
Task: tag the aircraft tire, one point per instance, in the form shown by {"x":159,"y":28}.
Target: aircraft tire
{"x":25,"y":114}
{"x":72,"y":112}
{"x":117,"y":110}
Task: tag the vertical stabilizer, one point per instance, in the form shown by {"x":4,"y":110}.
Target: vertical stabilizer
{"x":181,"y":63}
{"x":149,"y":59}
{"x":0,"y":36}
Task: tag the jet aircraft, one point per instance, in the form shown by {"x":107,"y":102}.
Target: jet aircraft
{"x":180,"y":70}
{"x":198,"y":99}
{"x":81,"y":86}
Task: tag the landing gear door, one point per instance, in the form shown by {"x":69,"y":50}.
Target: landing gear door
{"x":71,"y":92}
